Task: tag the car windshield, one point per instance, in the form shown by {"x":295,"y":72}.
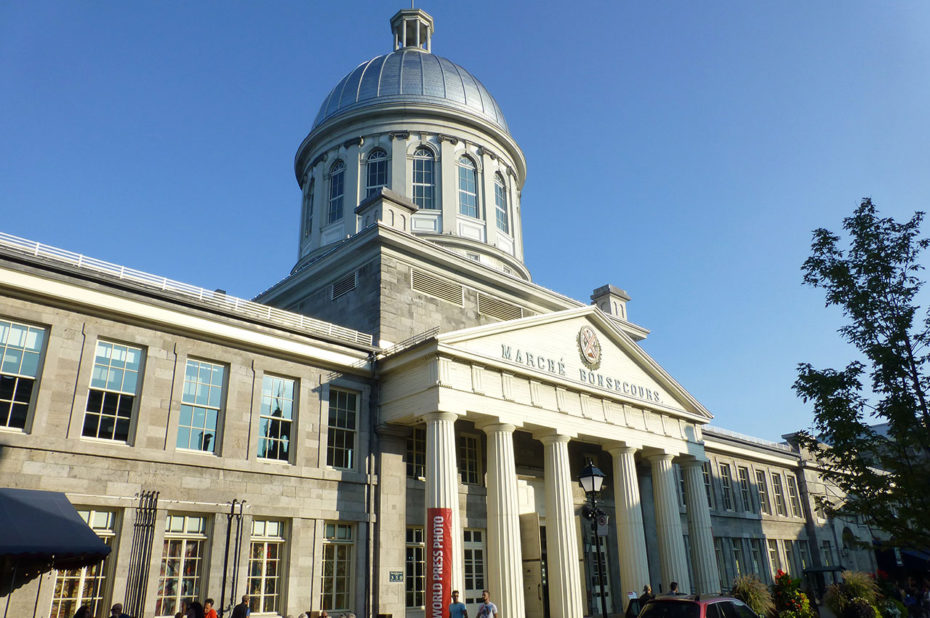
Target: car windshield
{"x":671,"y":609}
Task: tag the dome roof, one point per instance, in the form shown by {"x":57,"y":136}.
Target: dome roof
{"x":410,"y":75}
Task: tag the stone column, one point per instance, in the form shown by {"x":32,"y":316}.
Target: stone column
{"x":703,"y":557}
{"x":442,"y":486}
{"x":565,"y":594}
{"x":631,"y":540}
{"x":672,"y":556}
{"x":505,"y":560}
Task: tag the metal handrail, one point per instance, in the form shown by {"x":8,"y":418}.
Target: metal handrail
{"x":214,"y":299}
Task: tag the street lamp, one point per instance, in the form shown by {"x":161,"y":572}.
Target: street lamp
{"x":591,"y":479}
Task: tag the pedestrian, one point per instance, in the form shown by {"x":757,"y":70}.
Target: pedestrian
{"x":82,"y":612}
{"x":673,"y":588}
{"x":208,"y":610}
{"x":646,"y":596}
{"x":195,"y":610}
{"x":457,"y":608}
{"x":117,"y":611}
{"x":242,"y":610}
{"x":487,"y":609}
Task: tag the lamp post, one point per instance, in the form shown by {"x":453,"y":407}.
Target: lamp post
{"x":591,"y":479}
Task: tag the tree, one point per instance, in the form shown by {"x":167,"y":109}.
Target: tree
{"x":875,"y":281}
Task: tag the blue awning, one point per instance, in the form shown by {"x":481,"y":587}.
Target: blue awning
{"x":41,"y":530}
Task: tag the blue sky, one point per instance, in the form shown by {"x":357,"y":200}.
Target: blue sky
{"x":682,"y":151}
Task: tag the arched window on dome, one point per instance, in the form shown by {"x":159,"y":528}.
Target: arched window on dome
{"x":337,"y":178}
{"x":308,"y":208}
{"x":500,"y":202}
{"x":377,"y":171}
{"x":424,"y":184}
{"x":468,"y":187}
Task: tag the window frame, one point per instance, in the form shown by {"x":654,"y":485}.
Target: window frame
{"x":185,"y":536}
{"x":378,"y":168}
{"x":257,"y":600}
{"x":765,"y":506}
{"x":308,"y":208}
{"x":501,"y":204}
{"x":726,"y":486}
{"x":120,"y":393}
{"x":474,"y":555}
{"x":100,"y":573}
{"x":745,"y":489}
{"x":415,"y":568}
{"x":333,"y":430}
{"x":424,"y":201}
{"x":219,"y":409}
{"x":291,"y":421}
{"x":337,"y":182}
{"x":708,"y":483}
{"x":17,"y":377}
{"x":469,"y":475}
{"x":794,"y":496}
{"x":467,"y":165}
{"x":331,"y":544}
{"x":415,"y":455}
{"x":778,"y":490}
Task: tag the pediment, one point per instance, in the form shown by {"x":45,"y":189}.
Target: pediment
{"x":578,"y":347}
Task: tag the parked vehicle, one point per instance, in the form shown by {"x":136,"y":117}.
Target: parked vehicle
{"x":696,"y":606}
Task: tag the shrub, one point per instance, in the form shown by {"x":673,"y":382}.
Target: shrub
{"x":790,"y":602}
{"x":859,"y":585}
{"x":753,"y":592}
{"x":859,"y":607}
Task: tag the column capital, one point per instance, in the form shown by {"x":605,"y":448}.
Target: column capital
{"x":620,"y":448}
{"x":655,"y":457}
{"x":552,"y":438}
{"x":439,"y":416}
{"x":495,"y":426}
{"x":692,"y":462}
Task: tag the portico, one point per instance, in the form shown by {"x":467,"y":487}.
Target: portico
{"x":532,"y":378}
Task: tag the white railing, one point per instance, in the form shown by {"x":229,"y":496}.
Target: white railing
{"x":740,"y":436}
{"x":217,"y":300}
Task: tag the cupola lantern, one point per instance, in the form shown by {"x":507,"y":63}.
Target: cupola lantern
{"x":413,"y":29}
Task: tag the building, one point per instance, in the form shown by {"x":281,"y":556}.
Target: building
{"x":405,"y":413}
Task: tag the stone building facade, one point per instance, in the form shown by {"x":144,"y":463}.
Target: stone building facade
{"x":405,"y":414}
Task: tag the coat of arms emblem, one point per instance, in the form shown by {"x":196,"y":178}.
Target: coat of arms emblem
{"x":589,"y":347}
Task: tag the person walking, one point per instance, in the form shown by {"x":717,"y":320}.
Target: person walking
{"x":242,"y":610}
{"x":487,"y":608}
{"x":117,"y":611}
{"x":208,"y":610}
{"x":457,"y":608}
{"x":646,"y":596}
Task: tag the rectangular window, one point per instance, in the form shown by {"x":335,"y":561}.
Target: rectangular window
{"x":114,"y":384}
{"x":468,"y":187}
{"x":201,"y":405}
{"x":758,"y":560}
{"x":681,"y":485}
{"x":500,"y":204}
{"x":826,"y":552}
{"x":708,"y":484}
{"x":721,"y":564}
{"x":744,"y":489}
{"x":794,"y":496}
{"x":726,"y":485}
{"x":423,"y":183}
{"x":265,"y":553}
{"x":779,"y":491}
{"x":804,"y":551}
{"x":276,"y":418}
{"x":416,"y":454}
{"x":774,"y":557}
{"x":181,"y":563}
{"x":21,"y":348}
{"x":790,"y":558}
{"x":474,"y":567}
{"x":762,"y":484}
{"x":736,"y":546}
{"x":415,"y":580}
{"x":343,"y":424}
{"x":77,"y":587}
{"x":469,"y":468}
{"x":336,"y":584}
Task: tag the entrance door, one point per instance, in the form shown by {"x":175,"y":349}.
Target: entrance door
{"x":474,"y":569}
{"x":535,"y":586}
{"x":597,"y":586}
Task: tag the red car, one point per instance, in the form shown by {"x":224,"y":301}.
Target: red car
{"x":696,"y":606}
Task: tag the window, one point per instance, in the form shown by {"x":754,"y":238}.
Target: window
{"x":736,"y":546}
{"x":415,"y":580}
{"x":468,"y":187}
{"x":774,"y":558}
{"x":708,"y":487}
{"x":337,"y":178}
{"x":721,"y":564}
{"x":267,"y":548}
{"x":20,"y":356}
{"x":308,"y":208}
{"x":424,"y":185}
{"x":114,"y":383}
{"x":826,"y":552}
{"x":794,"y":496}
{"x":500,"y":203}
{"x":201,"y":404}
{"x":726,"y":484}
{"x":758,"y":564}
{"x":336,"y":585}
{"x":343,"y":420}
{"x":682,"y":498}
{"x":276,"y":418}
{"x":86,"y":586}
{"x":474,"y":566}
{"x":763,"y":492}
{"x":416,"y":454}
{"x":779,"y":495}
{"x":469,"y":468}
{"x":181,"y":563}
{"x":744,"y":491}
{"x":377,"y":172}
{"x":790,"y":558}
{"x":804,"y":551}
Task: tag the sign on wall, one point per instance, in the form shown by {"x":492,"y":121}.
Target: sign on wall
{"x":439,"y":561}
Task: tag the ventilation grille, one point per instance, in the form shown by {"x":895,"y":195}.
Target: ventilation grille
{"x":496,"y":308}
{"x":345,"y":285}
{"x":435,"y":286}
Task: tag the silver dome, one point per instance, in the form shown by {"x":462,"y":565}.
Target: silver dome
{"x":411,"y":75}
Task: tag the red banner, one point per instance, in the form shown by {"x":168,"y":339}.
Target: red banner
{"x":438,"y":561}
